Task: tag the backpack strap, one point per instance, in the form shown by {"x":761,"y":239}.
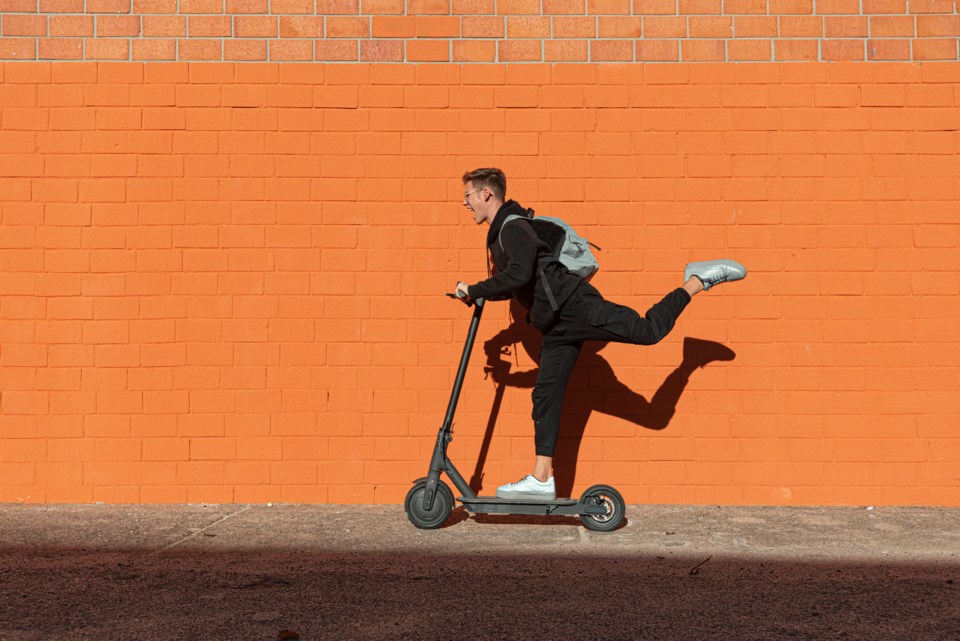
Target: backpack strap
{"x":546,"y":286}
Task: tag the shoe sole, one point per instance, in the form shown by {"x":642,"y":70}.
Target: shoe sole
{"x":532,"y":496}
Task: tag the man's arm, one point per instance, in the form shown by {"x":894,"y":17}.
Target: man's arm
{"x":521,"y":250}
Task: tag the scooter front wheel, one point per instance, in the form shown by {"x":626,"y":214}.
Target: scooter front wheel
{"x":438,"y":515}
{"x":610,"y":499}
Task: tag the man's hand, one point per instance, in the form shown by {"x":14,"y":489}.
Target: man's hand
{"x":462,"y":291}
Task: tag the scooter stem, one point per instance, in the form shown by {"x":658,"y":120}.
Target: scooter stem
{"x":439,"y":462}
{"x":464,"y":361}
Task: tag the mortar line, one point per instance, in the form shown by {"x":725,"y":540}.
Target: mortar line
{"x":200,"y":531}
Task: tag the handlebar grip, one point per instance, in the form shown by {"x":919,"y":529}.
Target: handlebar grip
{"x":469,"y":303}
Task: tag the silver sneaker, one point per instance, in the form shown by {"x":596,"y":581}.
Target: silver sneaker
{"x":714,"y":272}
{"x":528,"y":488}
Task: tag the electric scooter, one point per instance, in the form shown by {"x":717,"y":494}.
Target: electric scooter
{"x":429,"y":502}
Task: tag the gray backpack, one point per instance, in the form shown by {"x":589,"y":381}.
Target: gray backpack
{"x":566,"y":246}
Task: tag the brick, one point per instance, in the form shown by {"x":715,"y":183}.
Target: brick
{"x":336,"y":50}
{"x":437,"y":27}
{"x":702,"y":7}
{"x":748,"y":50}
{"x":755,"y":7}
{"x":255,"y":27}
{"x":842,"y":50}
{"x":199,"y":49}
{"x":170,"y":26}
{"x":846,"y":27}
{"x":201,"y":6}
{"x":806,"y":50}
{"x":566,"y":51}
{"x":417,"y":7}
{"x":61,"y":6}
{"x":104,"y":49}
{"x":892,"y":26}
{"x":608,"y":7}
{"x":801,"y":27}
{"x":576,"y":27}
{"x":155,"y":6}
{"x":884,"y":6}
{"x":118,"y":26}
{"x":664,"y":27}
{"x":791,"y":7}
{"x":621,"y":27}
{"x":513,"y":7}
{"x":474,"y":50}
{"x":755,"y":27}
{"x":711,"y":27}
{"x":108,"y":6}
{"x":18,"y":49}
{"x":23,"y":25}
{"x":482,"y":26}
{"x":286,"y":7}
{"x":393,"y":27}
{"x":342,"y":27}
{"x":428,"y":51}
{"x":611,"y":50}
{"x":703,"y":50}
{"x":60,"y":49}
{"x":63,"y":26}
{"x":837,"y":7}
{"x":658,"y":50}
{"x":933,"y":6}
{"x":528,"y":27}
{"x":385,"y":7}
{"x":154,"y":50}
{"x":299,"y":50}
{"x":208,"y":27}
{"x":932,"y":26}
{"x":247,"y":6}
{"x":935,"y":49}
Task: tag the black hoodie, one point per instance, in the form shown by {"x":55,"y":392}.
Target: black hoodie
{"x":515,"y":268}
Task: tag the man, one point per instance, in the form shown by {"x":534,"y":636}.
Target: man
{"x":583,"y":313}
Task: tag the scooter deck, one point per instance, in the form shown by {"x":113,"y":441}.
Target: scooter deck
{"x":495,"y":505}
{"x":496,"y":499}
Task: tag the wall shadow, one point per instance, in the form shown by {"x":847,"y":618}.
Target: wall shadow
{"x":594,"y":387}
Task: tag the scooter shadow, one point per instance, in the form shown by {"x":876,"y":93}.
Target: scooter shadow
{"x":593,"y":386}
{"x":528,"y":520}
{"x":461,"y":515}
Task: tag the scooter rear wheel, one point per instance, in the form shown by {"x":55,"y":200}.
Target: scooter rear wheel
{"x":609,"y":498}
{"x":438,"y":515}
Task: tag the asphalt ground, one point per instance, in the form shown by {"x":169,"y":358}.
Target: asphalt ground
{"x":219,"y":572}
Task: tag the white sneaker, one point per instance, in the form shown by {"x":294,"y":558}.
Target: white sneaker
{"x":714,"y":272}
{"x":529,"y":487}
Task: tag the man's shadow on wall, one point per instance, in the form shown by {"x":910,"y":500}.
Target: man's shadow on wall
{"x":601,"y":391}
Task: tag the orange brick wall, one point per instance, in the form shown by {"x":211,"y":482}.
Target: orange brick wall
{"x":480,"y":30}
{"x":223,"y":282}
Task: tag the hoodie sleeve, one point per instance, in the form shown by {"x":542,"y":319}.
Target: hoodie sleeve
{"x":521,"y":249}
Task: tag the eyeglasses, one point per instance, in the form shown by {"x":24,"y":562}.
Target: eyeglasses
{"x":467,"y":193}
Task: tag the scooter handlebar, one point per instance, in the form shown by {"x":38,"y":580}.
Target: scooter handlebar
{"x":466,"y":301}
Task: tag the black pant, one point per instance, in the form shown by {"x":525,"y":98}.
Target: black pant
{"x":586,"y":316}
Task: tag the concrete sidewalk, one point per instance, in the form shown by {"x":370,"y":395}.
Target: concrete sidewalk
{"x":364,"y":572}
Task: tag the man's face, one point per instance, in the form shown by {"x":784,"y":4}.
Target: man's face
{"x":473,"y":199}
